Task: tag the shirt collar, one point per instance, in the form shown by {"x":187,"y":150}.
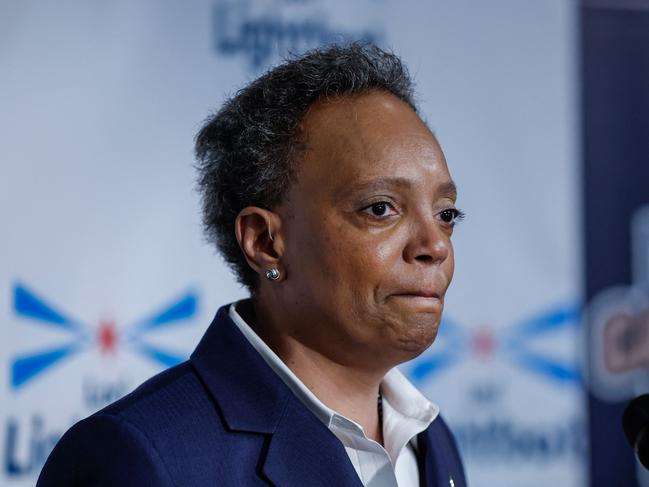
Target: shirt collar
{"x":406,"y":412}
{"x":324,"y":413}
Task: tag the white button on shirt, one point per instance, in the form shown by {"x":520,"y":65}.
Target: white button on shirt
{"x":406,"y":413}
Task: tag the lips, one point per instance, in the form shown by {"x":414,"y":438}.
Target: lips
{"x":418,"y":294}
{"x":418,"y":300}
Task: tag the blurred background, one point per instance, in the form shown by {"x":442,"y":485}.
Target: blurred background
{"x":542,"y":109}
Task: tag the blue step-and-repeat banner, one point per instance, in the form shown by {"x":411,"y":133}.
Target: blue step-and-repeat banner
{"x":105,"y":278}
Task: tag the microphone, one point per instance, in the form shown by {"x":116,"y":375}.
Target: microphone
{"x":635,"y":423}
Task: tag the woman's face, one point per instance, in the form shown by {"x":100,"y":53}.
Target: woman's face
{"x":367,"y":227}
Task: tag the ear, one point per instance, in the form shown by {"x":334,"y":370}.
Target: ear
{"x":259,"y":235}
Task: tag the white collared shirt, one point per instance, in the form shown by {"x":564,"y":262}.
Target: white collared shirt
{"x":406,"y":413}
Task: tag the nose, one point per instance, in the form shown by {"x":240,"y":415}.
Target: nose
{"x":428,"y":243}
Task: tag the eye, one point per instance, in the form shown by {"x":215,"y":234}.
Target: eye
{"x":451,"y":216}
{"x":381,"y":209}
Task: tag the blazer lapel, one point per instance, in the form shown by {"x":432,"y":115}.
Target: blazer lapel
{"x":303,"y":451}
{"x":441,"y":463}
{"x":252,"y":398}
{"x":250,"y":395}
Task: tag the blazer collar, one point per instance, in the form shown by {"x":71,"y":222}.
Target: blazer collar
{"x":248,"y":392}
{"x":439,"y":463}
{"x":252,"y":398}
{"x":304,"y":452}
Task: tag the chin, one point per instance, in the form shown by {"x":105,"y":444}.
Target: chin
{"x":417,"y":336}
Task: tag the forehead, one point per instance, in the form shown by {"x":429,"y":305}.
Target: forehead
{"x":367,"y":136}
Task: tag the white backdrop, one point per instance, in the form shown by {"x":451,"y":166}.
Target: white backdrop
{"x":105,"y":278}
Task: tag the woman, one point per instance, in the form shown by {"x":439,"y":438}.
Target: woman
{"x":333,"y":203}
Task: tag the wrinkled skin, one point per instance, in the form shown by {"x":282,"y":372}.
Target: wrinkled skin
{"x":364,"y":237}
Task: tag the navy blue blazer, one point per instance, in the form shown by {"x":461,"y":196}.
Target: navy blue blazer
{"x":221,"y":418}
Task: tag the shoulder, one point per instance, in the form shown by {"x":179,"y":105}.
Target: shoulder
{"x":146,"y":438}
{"x":170,"y":400}
{"x":104,"y":450}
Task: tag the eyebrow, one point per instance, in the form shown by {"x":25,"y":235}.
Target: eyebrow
{"x":447,"y":189}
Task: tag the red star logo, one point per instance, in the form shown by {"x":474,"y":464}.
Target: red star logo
{"x":483,"y":344}
{"x":107,"y":336}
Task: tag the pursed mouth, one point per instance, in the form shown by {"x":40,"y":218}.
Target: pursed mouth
{"x":418,"y":294}
{"x":418,"y":302}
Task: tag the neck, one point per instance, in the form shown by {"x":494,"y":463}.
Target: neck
{"x":348,"y":390}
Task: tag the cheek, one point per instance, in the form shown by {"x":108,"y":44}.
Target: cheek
{"x":449,"y":265}
{"x":325,"y":257}
{"x":366,"y":258}
{"x":372,"y":262}
{"x":341,"y":263}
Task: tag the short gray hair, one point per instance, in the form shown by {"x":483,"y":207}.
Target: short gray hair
{"x":247,"y":152}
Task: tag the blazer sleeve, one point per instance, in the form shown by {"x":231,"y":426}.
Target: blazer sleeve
{"x":103,"y":451}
